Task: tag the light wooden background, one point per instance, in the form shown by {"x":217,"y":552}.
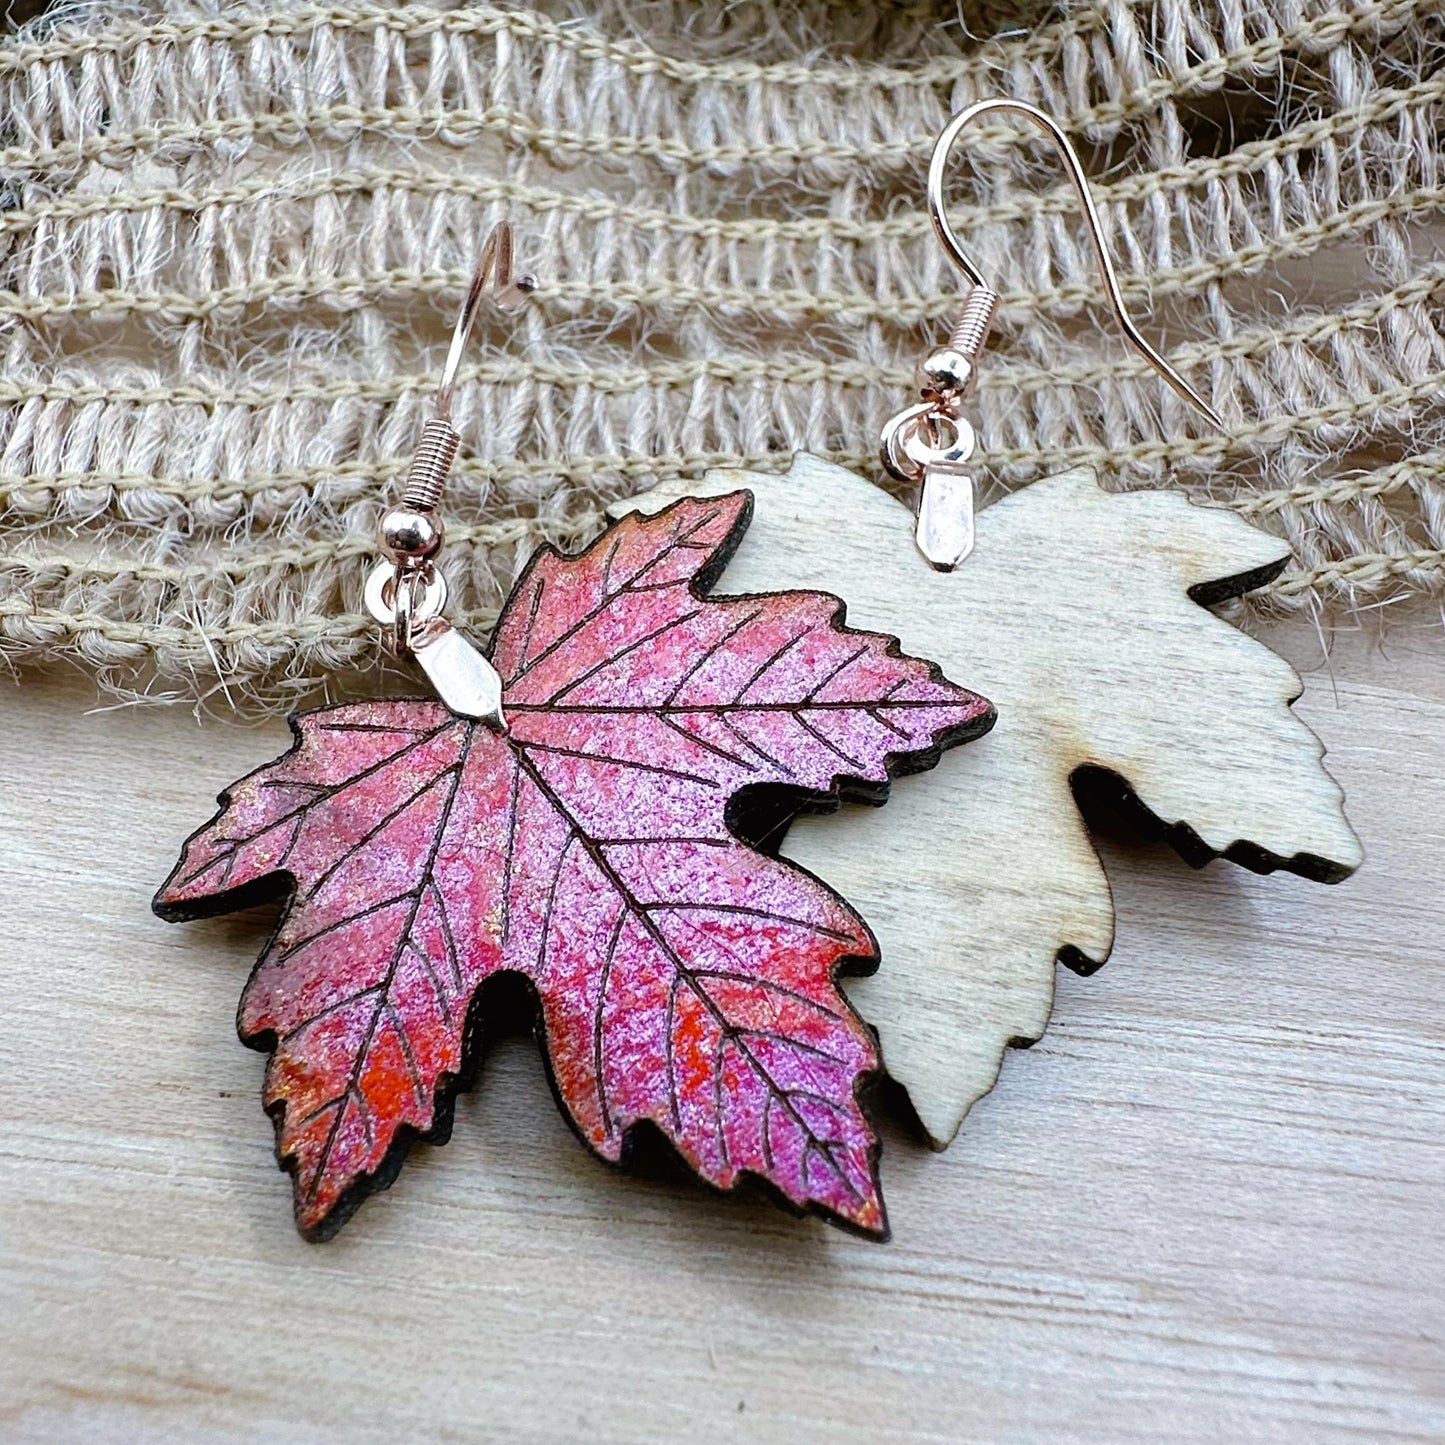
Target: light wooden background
{"x":1210,"y":1205}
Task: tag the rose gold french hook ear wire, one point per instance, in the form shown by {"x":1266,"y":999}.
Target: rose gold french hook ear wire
{"x":494,"y":273}
{"x":439,"y":439}
{"x":930,"y":441}
{"x":406,"y":591}
{"x":937,"y":169}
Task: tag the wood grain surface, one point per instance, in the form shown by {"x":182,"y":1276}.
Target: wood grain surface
{"x":1207,"y":1206}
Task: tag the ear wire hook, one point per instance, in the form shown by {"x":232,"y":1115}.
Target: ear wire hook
{"x":437,"y":449}
{"x":406,"y":592}
{"x":439,"y":438}
{"x":494,"y":274}
{"x":931,"y":441}
{"x":938,"y":166}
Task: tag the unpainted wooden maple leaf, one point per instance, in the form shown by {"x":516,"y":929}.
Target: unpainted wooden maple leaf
{"x":1084,"y":616}
{"x":684,"y":977}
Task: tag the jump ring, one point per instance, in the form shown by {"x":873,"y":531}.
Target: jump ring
{"x":405,"y":608}
{"x":914,"y":440}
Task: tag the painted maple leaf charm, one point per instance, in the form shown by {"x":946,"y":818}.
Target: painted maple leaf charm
{"x":1083,"y":616}
{"x":601,"y":848}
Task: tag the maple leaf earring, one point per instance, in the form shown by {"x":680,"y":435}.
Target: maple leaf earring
{"x":587,"y":807}
{"x":1084,"y":616}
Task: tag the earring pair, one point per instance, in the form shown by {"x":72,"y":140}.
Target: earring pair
{"x":601,"y":802}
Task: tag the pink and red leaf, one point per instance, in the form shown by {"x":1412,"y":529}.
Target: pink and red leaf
{"x":685,"y":978}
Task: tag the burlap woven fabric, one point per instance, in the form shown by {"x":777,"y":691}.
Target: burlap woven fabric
{"x":234,"y":238}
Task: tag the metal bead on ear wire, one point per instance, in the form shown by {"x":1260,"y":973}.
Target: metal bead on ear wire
{"x":408,"y":535}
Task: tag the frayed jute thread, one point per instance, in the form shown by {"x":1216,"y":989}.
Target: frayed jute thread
{"x":232,"y":239}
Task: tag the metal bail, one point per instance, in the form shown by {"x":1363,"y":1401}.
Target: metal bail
{"x":932,"y":448}
{"x":945,"y":517}
{"x":464,"y":680}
